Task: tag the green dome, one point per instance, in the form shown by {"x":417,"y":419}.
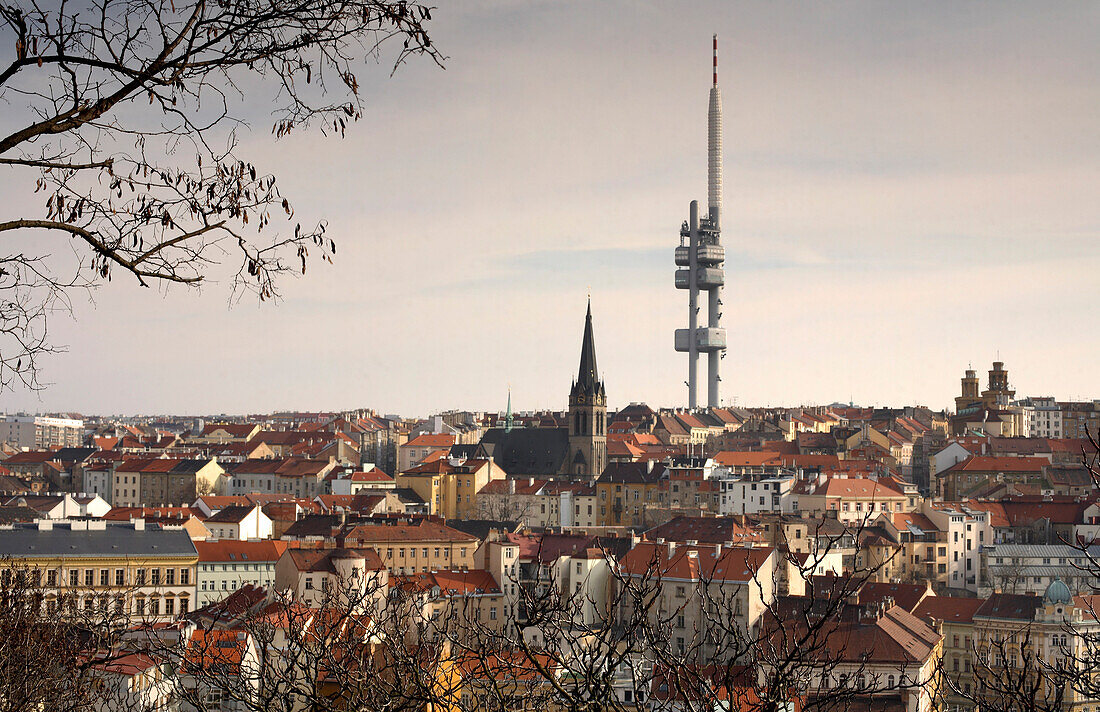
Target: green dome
{"x":1058,"y":592}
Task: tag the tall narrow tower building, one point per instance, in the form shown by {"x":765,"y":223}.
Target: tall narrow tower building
{"x":699,"y":259}
{"x":587,"y":411}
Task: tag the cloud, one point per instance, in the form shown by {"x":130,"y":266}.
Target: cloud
{"x":908,"y":189}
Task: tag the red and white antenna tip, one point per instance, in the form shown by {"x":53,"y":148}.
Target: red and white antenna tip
{"x":716,"y":60}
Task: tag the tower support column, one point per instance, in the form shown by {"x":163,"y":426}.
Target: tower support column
{"x":693,"y":304}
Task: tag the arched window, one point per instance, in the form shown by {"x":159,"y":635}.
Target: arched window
{"x":577,"y":422}
{"x":584,"y":424}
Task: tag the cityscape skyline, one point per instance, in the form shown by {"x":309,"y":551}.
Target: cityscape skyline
{"x":930,"y":171}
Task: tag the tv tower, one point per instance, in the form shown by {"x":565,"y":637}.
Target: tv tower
{"x":700,"y":260}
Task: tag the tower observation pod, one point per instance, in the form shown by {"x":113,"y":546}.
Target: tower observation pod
{"x":699,"y":259}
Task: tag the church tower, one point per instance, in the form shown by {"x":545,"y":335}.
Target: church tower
{"x":587,"y":412}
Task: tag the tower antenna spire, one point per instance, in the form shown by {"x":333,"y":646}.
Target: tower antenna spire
{"x":715,"y":60}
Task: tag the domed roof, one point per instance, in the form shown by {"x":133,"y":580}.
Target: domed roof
{"x":1058,"y":592}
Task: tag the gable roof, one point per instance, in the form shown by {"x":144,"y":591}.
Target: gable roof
{"x":948,"y":608}
{"x":633,"y":473}
{"x":694,"y":563}
{"x":1012,"y":606}
{"x":527,"y":451}
{"x":233,"y":514}
{"x":310,"y":560}
{"x":231,"y":550}
{"x":430,"y":440}
{"x":709,"y":530}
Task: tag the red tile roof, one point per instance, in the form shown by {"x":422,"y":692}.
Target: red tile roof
{"x":736,"y":458}
{"x":858,"y":487}
{"x":441,"y":440}
{"x":1001,"y":464}
{"x":450,"y":583}
{"x":948,"y":609}
{"x":690,"y":563}
{"x":240,"y":551}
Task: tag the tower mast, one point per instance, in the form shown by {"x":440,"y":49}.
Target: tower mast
{"x":703,"y":257}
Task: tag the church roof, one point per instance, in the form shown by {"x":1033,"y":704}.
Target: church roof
{"x":527,"y":451}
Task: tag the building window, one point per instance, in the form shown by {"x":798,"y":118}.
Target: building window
{"x":155,"y":577}
{"x":120,"y":577}
{"x":89,"y":577}
{"x":169,"y":577}
{"x":169,"y":606}
{"x":185,"y":577}
{"x":104,"y":577}
{"x":154,"y":607}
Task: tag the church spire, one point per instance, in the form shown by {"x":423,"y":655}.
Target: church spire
{"x":509,"y":421}
{"x":588,"y":377}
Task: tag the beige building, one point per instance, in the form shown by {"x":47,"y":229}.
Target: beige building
{"x":155,"y":482}
{"x":419,"y":448}
{"x":100,"y":568}
{"x":883,"y":656}
{"x":333,"y":577}
{"x":450,"y":486}
{"x":689,"y":584}
{"x":539,"y":503}
{"x":415,"y":548}
{"x":854,"y":499}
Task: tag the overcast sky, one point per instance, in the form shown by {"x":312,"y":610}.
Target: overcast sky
{"x":909,"y":188}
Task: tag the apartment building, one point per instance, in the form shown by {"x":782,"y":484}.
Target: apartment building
{"x":226,"y":566}
{"x":690,"y":584}
{"x":420,"y":547}
{"x":155,"y":482}
{"x":627,"y":492}
{"x":92,"y":565}
{"x":37,"y":432}
{"x":450,"y":485}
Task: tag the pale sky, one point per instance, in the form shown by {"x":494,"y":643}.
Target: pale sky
{"x":909,"y":188}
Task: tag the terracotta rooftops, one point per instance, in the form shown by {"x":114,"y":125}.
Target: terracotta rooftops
{"x":441,"y":440}
{"x":948,"y":608}
{"x":1001,"y":464}
{"x":693,"y":563}
{"x":230,"y":550}
{"x":449,"y":582}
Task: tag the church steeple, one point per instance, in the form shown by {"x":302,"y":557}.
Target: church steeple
{"x":509,"y":422}
{"x":588,"y":377}
{"x":588,"y":411}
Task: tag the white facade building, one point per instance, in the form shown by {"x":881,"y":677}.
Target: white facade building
{"x":754,"y":494}
{"x":240,"y":522}
{"x":225,"y":566}
{"x":1042,"y":417}
{"x":99,"y":480}
{"x":37,"y":432}
{"x":967,"y":531}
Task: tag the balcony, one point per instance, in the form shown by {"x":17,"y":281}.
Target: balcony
{"x":706,"y":339}
{"x":706,"y":254}
{"x":706,"y":277}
